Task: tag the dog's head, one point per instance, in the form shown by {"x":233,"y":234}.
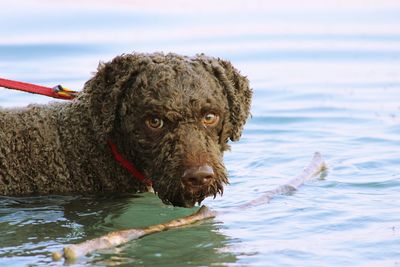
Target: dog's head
{"x":172,"y":117}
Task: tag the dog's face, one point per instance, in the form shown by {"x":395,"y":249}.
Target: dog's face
{"x":175,"y":122}
{"x":173,"y":118}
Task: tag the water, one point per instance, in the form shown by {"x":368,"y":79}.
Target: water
{"x":326,"y":77}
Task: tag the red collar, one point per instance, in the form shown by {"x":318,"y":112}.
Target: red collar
{"x":127,"y":165}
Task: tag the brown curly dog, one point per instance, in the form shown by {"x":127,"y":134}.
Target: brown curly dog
{"x":170,"y":116}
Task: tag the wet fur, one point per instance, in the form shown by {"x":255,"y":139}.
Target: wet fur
{"x":61,"y":148}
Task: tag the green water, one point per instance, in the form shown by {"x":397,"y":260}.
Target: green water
{"x":326,"y":77}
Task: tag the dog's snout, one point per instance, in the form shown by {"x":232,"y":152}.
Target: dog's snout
{"x":198,"y":176}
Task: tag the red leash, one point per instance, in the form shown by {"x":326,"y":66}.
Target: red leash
{"x":64,"y":93}
{"x":55,"y":92}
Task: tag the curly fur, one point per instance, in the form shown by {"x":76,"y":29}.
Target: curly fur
{"x":61,"y":148}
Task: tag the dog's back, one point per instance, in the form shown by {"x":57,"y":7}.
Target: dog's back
{"x":52,"y":149}
{"x":29,"y":150}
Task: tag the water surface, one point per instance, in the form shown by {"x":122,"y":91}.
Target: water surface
{"x":326,"y":77}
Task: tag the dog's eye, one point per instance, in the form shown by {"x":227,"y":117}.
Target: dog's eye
{"x":155,"y":123}
{"x":210,"y":119}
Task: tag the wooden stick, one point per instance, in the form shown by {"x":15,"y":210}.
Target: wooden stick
{"x":316,"y":166}
{"x":72,"y":252}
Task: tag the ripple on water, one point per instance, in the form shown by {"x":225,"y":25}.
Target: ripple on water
{"x":329,"y":84}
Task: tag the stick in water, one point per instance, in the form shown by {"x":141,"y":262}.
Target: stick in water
{"x":316,"y":166}
{"x":72,"y":252}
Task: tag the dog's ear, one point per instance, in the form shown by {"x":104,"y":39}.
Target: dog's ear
{"x":104,"y":92}
{"x":236,"y":88}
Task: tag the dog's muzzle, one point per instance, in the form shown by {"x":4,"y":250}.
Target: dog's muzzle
{"x":198,"y":177}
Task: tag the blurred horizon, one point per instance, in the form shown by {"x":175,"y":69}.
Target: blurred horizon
{"x":326,"y":77}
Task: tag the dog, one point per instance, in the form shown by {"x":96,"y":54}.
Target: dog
{"x":144,"y":119}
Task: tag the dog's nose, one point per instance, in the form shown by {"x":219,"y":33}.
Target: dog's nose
{"x":198,"y":176}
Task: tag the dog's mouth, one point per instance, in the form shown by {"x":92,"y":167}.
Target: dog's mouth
{"x":188,"y":197}
{"x":190,"y":186}
{"x":186,"y":202}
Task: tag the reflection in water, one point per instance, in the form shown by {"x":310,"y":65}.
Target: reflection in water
{"x":33,"y":227}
